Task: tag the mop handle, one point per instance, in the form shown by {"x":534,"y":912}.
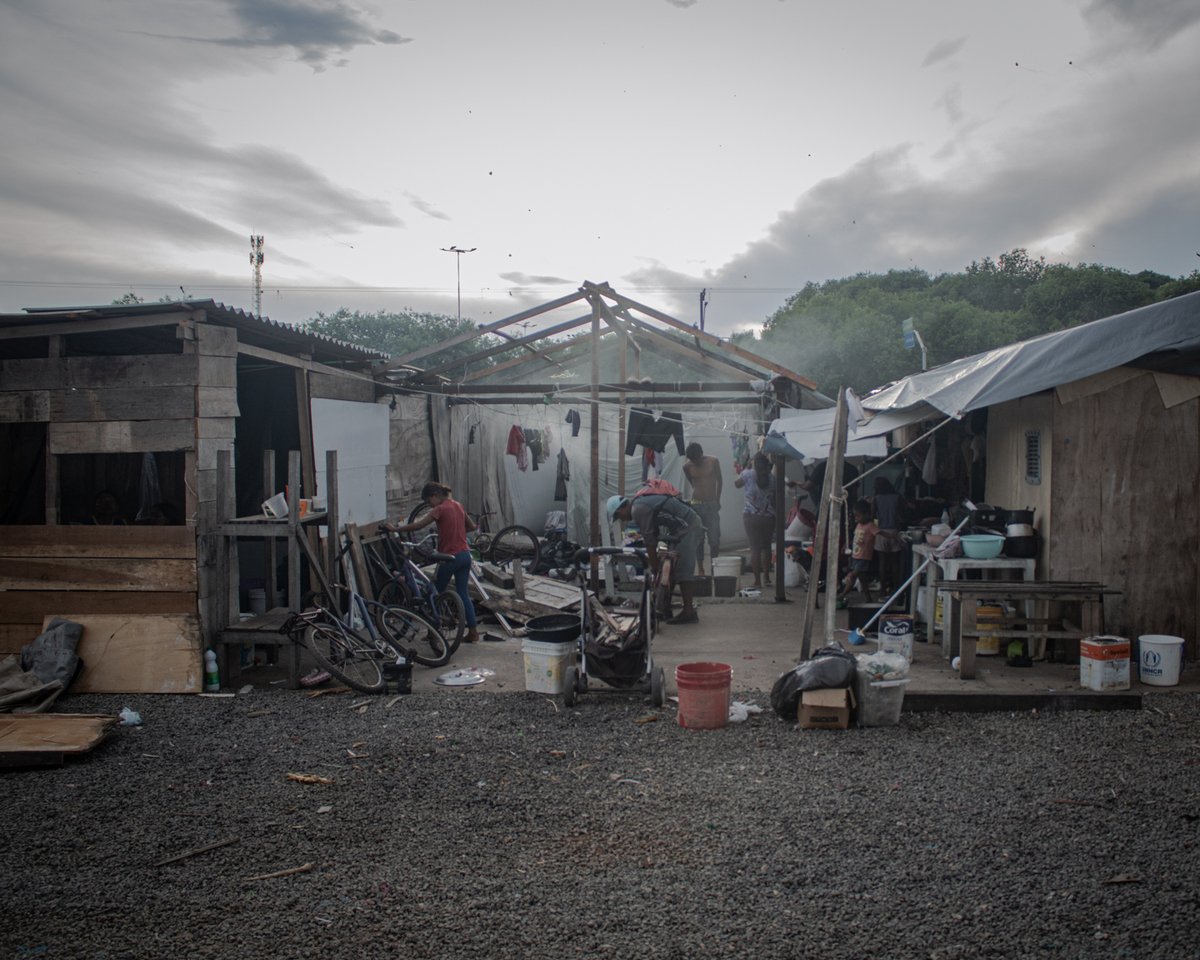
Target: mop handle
{"x":904,"y":586}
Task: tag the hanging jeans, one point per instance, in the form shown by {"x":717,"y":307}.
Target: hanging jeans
{"x":460,"y":569}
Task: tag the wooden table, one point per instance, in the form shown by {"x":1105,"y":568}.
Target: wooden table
{"x":964,"y":596}
{"x":954,"y":568}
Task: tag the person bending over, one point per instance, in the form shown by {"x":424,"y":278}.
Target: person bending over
{"x":453,"y":524}
{"x":662,"y":517}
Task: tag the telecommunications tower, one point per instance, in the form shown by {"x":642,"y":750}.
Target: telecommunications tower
{"x":256,"y":261}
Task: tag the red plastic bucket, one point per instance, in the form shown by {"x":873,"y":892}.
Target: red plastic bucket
{"x":703,"y":694}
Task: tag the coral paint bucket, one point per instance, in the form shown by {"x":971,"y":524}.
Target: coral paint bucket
{"x":703,"y":694}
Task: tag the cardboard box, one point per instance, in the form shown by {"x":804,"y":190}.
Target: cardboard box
{"x":825,"y":709}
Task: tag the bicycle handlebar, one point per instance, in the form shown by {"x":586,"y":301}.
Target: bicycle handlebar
{"x":584,"y":554}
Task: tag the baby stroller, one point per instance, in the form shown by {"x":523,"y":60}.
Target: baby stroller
{"x":614,"y":649}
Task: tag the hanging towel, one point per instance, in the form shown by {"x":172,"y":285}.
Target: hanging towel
{"x":564,"y":474}
{"x":572,"y":418}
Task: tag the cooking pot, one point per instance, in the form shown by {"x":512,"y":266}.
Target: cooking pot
{"x":1020,"y":516}
{"x":554,"y":628}
{"x":1021,"y":548}
{"x":1019,"y":530}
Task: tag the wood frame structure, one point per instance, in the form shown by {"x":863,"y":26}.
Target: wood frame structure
{"x":714,"y":370}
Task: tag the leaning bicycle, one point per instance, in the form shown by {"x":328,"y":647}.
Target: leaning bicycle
{"x":512,"y":544}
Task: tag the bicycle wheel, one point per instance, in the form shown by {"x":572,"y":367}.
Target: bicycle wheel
{"x":346,"y":655}
{"x":419,"y":639}
{"x":394,"y":594}
{"x":515,"y":544}
{"x":451,"y":618}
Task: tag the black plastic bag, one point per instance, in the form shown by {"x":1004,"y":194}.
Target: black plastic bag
{"x":831,"y":667}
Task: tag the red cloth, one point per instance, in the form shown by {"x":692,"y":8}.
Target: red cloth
{"x":516,"y":447}
{"x":451,"y":526}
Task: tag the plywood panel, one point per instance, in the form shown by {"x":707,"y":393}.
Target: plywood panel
{"x":122,"y":436}
{"x":45,"y":737}
{"x":131,"y":654}
{"x":1126,"y":511}
{"x":26,"y":406}
{"x":124,"y":403}
{"x":69,"y":573}
{"x":325,"y":387}
{"x":85,"y":541}
{"x":32,"y":606}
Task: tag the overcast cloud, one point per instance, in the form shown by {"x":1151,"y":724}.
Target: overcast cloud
{"x":747,"y":149}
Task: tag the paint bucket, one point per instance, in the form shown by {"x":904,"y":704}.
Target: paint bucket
{"x":1160,"y":658}
{"x":896,"y":634}
{"x":703,"y":694}
{"x":702,"y":587}
{"x":724,"y":586}
{"x":727,"y":567}
{"x":258,"y":601}
{"x":987,"y":619}
{"x":1104,"y":663}
{"x":546,"y":665}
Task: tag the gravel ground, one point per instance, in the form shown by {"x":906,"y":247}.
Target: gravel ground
{"x":486,"y":825}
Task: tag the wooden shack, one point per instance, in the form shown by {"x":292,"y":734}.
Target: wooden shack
{"x":136,"y":401}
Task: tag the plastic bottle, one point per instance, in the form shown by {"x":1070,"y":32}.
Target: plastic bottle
{"x":212,"y":680}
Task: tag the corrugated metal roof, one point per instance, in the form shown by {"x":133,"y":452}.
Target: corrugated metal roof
{"x":258,"y":330}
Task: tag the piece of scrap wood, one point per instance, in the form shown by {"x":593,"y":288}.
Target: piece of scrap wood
{"x":313,"y":694}
{"x":646,"y":718}
{"x":309,"y":778}
{"x":303,"y":868}
{"x":196,"y":851}
{"x":259,"y":713}
{"x":1124,"y":878}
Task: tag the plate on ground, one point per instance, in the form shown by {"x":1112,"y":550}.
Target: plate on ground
{"x":459,"y":678}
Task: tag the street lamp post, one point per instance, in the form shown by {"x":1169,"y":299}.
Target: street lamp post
{"x":458,"y":252}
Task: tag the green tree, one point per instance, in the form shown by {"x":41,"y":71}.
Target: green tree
{"x":399,"y":333}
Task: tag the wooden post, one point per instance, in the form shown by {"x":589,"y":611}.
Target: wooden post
{"x":594,"y":423}
{"x":269,"y":546}
{"x":293,"y":523}
{"x":224,"y":544}
{"x":780,"y":523}
{"x":308,"y":467}
{"x":820,"y":544}
{"x":332,"y":527}
{"x":837,"y":504}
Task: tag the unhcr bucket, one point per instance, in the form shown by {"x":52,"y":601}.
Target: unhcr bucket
{"x":1160,"y":658}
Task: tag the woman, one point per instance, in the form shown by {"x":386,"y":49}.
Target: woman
{"x":453,"y":524}
{"x":889,"y":516}
{"x":758,"y":516}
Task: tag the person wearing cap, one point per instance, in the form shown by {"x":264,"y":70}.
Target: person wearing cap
{"x":663,"y":517}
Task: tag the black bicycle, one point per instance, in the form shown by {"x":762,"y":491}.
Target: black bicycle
{"x":513,"y":544}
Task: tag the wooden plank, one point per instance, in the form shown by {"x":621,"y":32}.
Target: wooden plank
{"x":214,"y":340}
{"x":37,"y":373}
{"x":211,"y":428}
{"x":217,"y":402}
{"x":31,"y":606}
{"x":61,"y":573}
{"x":46,"y":737}
{"x":138,"y":654}
{"x":308,"y":469}
{"x":287,"y":360}
{"x":86,"y":541}
{"x":1096,"y":383}
{"x":122,"y":436}
{"x":86,"y":404}
{"x":216,"y":371}
{"x":207,"y":449}
{"x":15,"y":636}
{"x":25,"y":406}
{"x":1175,"y":389}
{"x":324,"y":386}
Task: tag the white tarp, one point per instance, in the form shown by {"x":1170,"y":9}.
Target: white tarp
{"x":1028,"y":367}
{"x":811,"y":431}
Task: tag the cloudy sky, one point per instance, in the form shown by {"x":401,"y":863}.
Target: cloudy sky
{"x":746,"y":146}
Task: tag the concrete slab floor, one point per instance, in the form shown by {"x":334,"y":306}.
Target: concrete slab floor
{"x":760,"y":639}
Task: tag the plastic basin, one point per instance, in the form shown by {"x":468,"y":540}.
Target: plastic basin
{"x":982,"y":546}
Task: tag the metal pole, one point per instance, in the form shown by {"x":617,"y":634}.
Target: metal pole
{"x":458,"y":252}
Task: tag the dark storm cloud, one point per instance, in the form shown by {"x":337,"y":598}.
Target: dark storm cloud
{"x":943,"y":50}
{"x":1152,"y":21}
{"x":320,"y":34}
{"x":1126,"y":190}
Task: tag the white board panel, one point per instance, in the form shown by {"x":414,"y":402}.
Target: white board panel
{"x":359,"y":434}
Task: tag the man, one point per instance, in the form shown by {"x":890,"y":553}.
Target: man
{"x":704,"y":474}
{"x":662,"y":517}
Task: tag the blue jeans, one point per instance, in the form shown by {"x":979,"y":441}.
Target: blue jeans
{"x":710,"y":513}
{"x":460,"y":569}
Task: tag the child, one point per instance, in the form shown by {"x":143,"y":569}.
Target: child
{"x":865,"y":532}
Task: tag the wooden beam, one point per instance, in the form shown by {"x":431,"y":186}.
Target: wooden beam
{"x":697,"y":354}
{"x":51,"y":327}
{"x":138,"y":542}
{"x":594,"y":421}
{"x":122,"y":436}
{"x":649,"y":400}
{"x":520,"y":341}
{"x":521,"y":361}
{"x":625,"y":302}
{"x":308,"y":463}
{"x":557,"y":389}
{"x":408,"y":358}
{"x":287,"y":360}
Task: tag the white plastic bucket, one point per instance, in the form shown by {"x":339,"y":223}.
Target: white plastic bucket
{"x":546,"y":665}
{"x":727,"y":567}
{"x":258,"y":601}
{"x":1160,"y":658}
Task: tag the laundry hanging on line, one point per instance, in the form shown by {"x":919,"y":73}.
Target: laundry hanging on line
{"x":645,"y":430}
